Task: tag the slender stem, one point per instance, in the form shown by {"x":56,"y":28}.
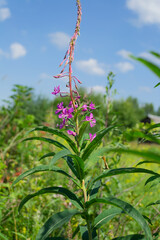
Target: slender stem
{"x":84,"y":191}
{"x":89,"y":229}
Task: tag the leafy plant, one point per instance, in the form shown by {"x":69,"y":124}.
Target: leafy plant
{"x":76,"y":150}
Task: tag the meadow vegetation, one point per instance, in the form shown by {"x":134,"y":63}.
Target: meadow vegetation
{"x":82,"y":166}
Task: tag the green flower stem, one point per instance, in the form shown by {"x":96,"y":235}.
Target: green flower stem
{"x":87,"y":219}
{"x":84,"y":191}
{"x":89,"y":229}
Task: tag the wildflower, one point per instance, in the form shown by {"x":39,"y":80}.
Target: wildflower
{"x":60,"y":108}
{"x":92,"y":106}
{"x":62,"y":124}
{"x":71,"y":105}
{"x":91,"y":120}
{"x":91,"y":137}
{"x":66,"y":113}
{"x":84,"y":108}
{"x":71,"y":133}
{"x":56,"y":90}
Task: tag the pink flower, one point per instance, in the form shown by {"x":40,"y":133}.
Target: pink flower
{"x":71,"y":133}
{"x":56,"y":90}
{"x":66,"y":113}
{"x":91,"y":120}
{"x":84,"y":108}
{"x":71,"y":104}
{"x":93,"y":123}
{"x":62,"y":124}
{"x":92,"y":106}
{"x":60,"y":108}
{"x":91,"y":137}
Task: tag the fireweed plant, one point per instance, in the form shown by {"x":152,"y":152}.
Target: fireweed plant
{"x":77,"y":152}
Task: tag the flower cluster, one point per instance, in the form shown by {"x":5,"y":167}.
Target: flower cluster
{"x":66,"y":114}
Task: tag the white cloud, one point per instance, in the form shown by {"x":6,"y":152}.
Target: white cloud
{"x":60,"y":39}
{"x":17,"y":50}
{"x":145,"y":89}
{"x":3,"y":2}
{"x":148,"y":11}
{"x":4,"y":14}
{"x":124,"y":66}
{"x":97,"y":89}
{"x":150,"y":57}
{"x":91,"y":66}
{"x":124,"y":53}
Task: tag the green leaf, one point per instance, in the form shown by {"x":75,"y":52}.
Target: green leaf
{"x":149,"y":155}
{"x":56,"y":238}
{"x":151,"y":179}
{"x":131,"y":237}
{"x":48,"y":140}
{"x":153,"y":203}
{"x":57,"y":133}
{"x":41,"y":168}
{"x":54,"y":222}
{"x":153,"y":67}
{"x":119,"y":171}
{"x":95,"y":189}
{"x":128,"y":209}
{"x":95,"y":143}
{"x":51,"y":154}
{"x":157,"y":85}
{"x":84,"y":233}
{"x":82,"y":130}
{"x":157,"y":125}
{"x":76,"y":231}
{"x":155,"y":54}
{"x":106,"y":216}
{"x":3,"y":236}
{"x":59,"y":155}
{"x":71,"y":165}
{"x":58,"y":190}
{"x":79,"y":165}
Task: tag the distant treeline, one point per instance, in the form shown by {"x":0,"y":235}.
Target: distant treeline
{"x":23,"y":102}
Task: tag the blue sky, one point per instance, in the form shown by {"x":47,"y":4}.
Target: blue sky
{"x":34,"y":37}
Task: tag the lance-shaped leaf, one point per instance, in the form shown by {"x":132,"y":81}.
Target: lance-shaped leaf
{"x":157,"y":125}
{"x":59,"y":155}
{"x":82,"y":130}
{"x":119,"y":171}
{"x":94,"y":190}
{"x":128,"y":209}
{"x":51,"y":154}
{"x":106,"y":216}
{"x":131,"y":237}
{"x":84,"y":233}
{"x":54,"y":222}
{"x":71,"y":165}
{"x":148,"y":155}
{"x":48,"y":140}
{"x":157,"y":85}
{"x":153,"y":67}
{"x":95,"y":143}
{"x":58,"y":190}
{"x":59,"y":134}
{"x":78,"y":165}
{"x":42,"y":168}
{"x":155,"y":54}
{"x":151,"y":179}
{"x":154,"y":203}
